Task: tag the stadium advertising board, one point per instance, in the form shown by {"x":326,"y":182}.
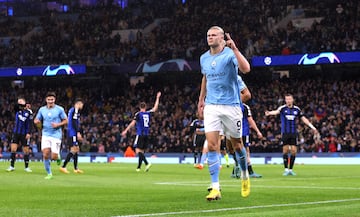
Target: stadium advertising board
{"x":306,"y":59}
{"x":50,"y":70}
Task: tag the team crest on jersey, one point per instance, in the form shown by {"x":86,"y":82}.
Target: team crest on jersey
{"x":22,"y":118}
{"x":213,"y":63}
{"x":295,"y":112}
{"x":26,"y":114}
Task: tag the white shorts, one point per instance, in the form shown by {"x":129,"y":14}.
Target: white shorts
{"x":224,"y":118}
{"x":52,"y":143}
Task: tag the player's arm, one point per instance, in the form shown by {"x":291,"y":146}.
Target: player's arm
{"x":132,"y":124}
{"x":156,"y":104}
{"x":253,"y":126}
{"x":273,"y":112}
{"x":201,"y":102}
{"x":244,"y":65}
{"x":75,"y":125}
{"x":62,"y":123}
{"x":245,"y":95}
{"x":38,"y":120}
{"x":308,"y":123}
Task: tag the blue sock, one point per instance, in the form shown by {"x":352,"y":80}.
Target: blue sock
{"x":241,"y":157}
{"x":213,"y":162}
{"x":47,"y":166}
{"x":203,"y":157}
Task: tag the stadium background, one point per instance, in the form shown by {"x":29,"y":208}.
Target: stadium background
{"x":114,"y":39}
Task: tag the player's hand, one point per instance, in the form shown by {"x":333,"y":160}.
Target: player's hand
{"x":317,"y":136}
{"x":230,"y":43}
{"x":267,"y":113}
{"x":260,"y":135}
{"x":123,"y":133}
{"x":38,"y":124}
{"x":158,"y":94}
{"x":79,"y":137}
{"x":54,"y":125}
{"x":316,"y":133}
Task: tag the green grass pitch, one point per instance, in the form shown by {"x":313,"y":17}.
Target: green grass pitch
{"x":178,"y":190}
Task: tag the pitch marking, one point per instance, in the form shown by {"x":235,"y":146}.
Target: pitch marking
{"x":241,"y":208}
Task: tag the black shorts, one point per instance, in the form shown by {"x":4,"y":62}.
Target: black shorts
{"x":246,"y":141}
{"x":141,"y":142}
{"x":72,"y":141}
{"x":223,"y":145}
{"x":19,"y":139}
{"x":199,"y":141}
{"x":289,"y":139}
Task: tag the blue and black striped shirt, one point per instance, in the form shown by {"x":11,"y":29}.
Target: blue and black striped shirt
{"x":289,"y":116}
{"x":23,"y":121}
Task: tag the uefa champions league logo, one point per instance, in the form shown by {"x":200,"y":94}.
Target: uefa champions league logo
{"x":19,"y":71}
{"x":168,"y":65}
{"x":51,"y":72}
{"x":306,"y":60}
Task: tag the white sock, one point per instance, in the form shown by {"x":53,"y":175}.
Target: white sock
{"x":244,"y":174}
{"x":216,"y":185}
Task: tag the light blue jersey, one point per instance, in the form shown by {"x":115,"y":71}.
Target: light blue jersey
{"x":221,"y":77}
{"x":51,"y":115}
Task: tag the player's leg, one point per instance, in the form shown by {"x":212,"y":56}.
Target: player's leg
{"x":13,"y":149}
{"x":241,"y":158}
{"x":140,"y":155}
{"x":250,"y":169}
{"x":138,"y":152}
{"x":293,"y":151}
{"x":145,"y":146}
{"x":195,"y":153}
{"x":233,"y":126}
{"x":214,"y":164}
{"x":223,"y":151}
{"x":46,"y":150}
{"x":70,"y":155}
{"x":286,"y":159}
{"x":203,"y":157}
{"x":212,"y":125}
{"x":236,"y":169}
{"x":54,"y":149}
{"x":26,"y":151}
{"x":76,"y":150}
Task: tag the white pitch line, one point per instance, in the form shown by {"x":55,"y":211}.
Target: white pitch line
{"x":262,"y":186}
{"x":241,"y":208}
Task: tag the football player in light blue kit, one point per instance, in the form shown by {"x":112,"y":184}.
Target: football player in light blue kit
{"x":220,"y":103}
{"x":51,"y":118}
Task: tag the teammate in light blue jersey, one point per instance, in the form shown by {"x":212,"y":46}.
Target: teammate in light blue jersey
{"x":51,"y":118}
{"x":219,"y":102}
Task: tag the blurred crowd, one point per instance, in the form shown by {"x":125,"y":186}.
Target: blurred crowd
{"x":333,"y":106}
{"x":84,"y":34}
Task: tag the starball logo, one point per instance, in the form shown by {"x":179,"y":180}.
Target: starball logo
{"x":329,"y":56}
{"x":54,"y":71}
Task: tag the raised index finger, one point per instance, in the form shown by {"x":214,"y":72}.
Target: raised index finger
{"x":228,"y":36}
